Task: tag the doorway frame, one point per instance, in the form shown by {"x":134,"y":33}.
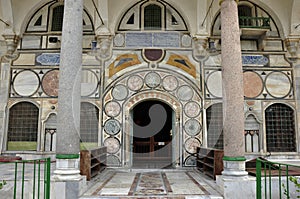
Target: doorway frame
{"x":128,"y":107}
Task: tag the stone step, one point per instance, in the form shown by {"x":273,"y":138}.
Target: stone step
{"x":154,"y":197}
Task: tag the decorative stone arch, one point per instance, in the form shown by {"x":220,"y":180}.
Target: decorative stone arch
{"x":157,"y":95}
{"x":31,"y":12}
{"x":181,"y":94}
{"x":11,"y":103}
{"x":291,"y":105}
{"x":48,"y":5}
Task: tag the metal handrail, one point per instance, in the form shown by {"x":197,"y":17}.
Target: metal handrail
{"x":40,"y":173}
{"x":254,"y":22}
{"x":266,"y":170}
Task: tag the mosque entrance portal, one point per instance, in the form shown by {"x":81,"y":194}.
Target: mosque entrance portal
{"x":152,"y":135}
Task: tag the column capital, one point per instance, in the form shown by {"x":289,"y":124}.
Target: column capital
{"x":221,"y":1}
{"x":292,"y":45}
{"x":11,"y":40}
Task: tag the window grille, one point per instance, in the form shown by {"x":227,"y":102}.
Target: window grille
{"x":23,"y":123}
{"x":280,"y":128}
{"x":215,"y":126}
{"x":152,"y":17}
{"x":89,"y":120}
{"x":57,"y":18}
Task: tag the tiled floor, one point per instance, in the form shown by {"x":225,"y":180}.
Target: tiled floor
{"x":167,"y":184}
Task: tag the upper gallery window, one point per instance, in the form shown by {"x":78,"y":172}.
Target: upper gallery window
{"x":250,"y":16}
{"x":49,"y":18}
{"x":152,"y":15}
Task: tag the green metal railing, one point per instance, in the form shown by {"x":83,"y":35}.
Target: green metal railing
{"x":254,"y":22}
{"x":35,"y":173}
{"x":267,"y":175}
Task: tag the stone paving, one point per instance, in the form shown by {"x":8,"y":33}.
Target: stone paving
{"x":135,"y":183}
{"x":142,"y":183}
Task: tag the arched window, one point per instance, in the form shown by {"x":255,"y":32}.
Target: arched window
{"x":23,"y":127}
{"x":89,"y":122}
{"x":50,"y":18}
{"x":155,"y":15}
{"x":214,"y":123}
{"x":44,"y":28}
{"x":280,"y":128}
{"x":152,"y":17}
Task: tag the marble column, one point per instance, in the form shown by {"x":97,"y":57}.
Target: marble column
{"x":233,"y":91}
{"x":68,"y":117}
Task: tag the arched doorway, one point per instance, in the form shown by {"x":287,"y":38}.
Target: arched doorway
{"x":153,"y":123}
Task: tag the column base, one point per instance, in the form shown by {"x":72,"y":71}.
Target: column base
{"x":237,"y":187}
{"x":234,"y":168}
{"x":67,"y":170}
{"x":68,"y":189}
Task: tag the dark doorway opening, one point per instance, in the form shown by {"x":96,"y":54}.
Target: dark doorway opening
{"x":152,"y":135}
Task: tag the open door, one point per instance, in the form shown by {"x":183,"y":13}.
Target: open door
{"x":152,"y":135}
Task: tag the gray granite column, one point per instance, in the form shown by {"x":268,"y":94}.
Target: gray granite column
{"x":4,"y":90}
{"x":233,"y":91}
{"x":68,"y":125}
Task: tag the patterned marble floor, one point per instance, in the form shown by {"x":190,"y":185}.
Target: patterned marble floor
{"x":167,"y":184}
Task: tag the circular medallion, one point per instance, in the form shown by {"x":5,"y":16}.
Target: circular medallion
{"x":26,"y":83}
{"x":152,"y":80}
{"x":112,"y":108}
{"x":119,"y":40}
{"x":170,"y":83}
{"x":191,"y":145}
{"x":89,"y":82}
{"x":253,"y":84}
{"x":185,"y":93}
{"x":112,"y":127}
{"x":278,"y":84}
{"x":112,"y":144}
{"x":113,"y":160}
{"x":50,"y":83}
{"x":192,"y":109}
{"x":190,"y":161}
{"x":192,"y":127}
{"x":214,"y":84}
{"x":120,"y":92}
{"x":135,"y":83}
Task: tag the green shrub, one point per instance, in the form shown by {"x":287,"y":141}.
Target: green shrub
{"x":297,"y":185}
{"x":2,"y":184}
